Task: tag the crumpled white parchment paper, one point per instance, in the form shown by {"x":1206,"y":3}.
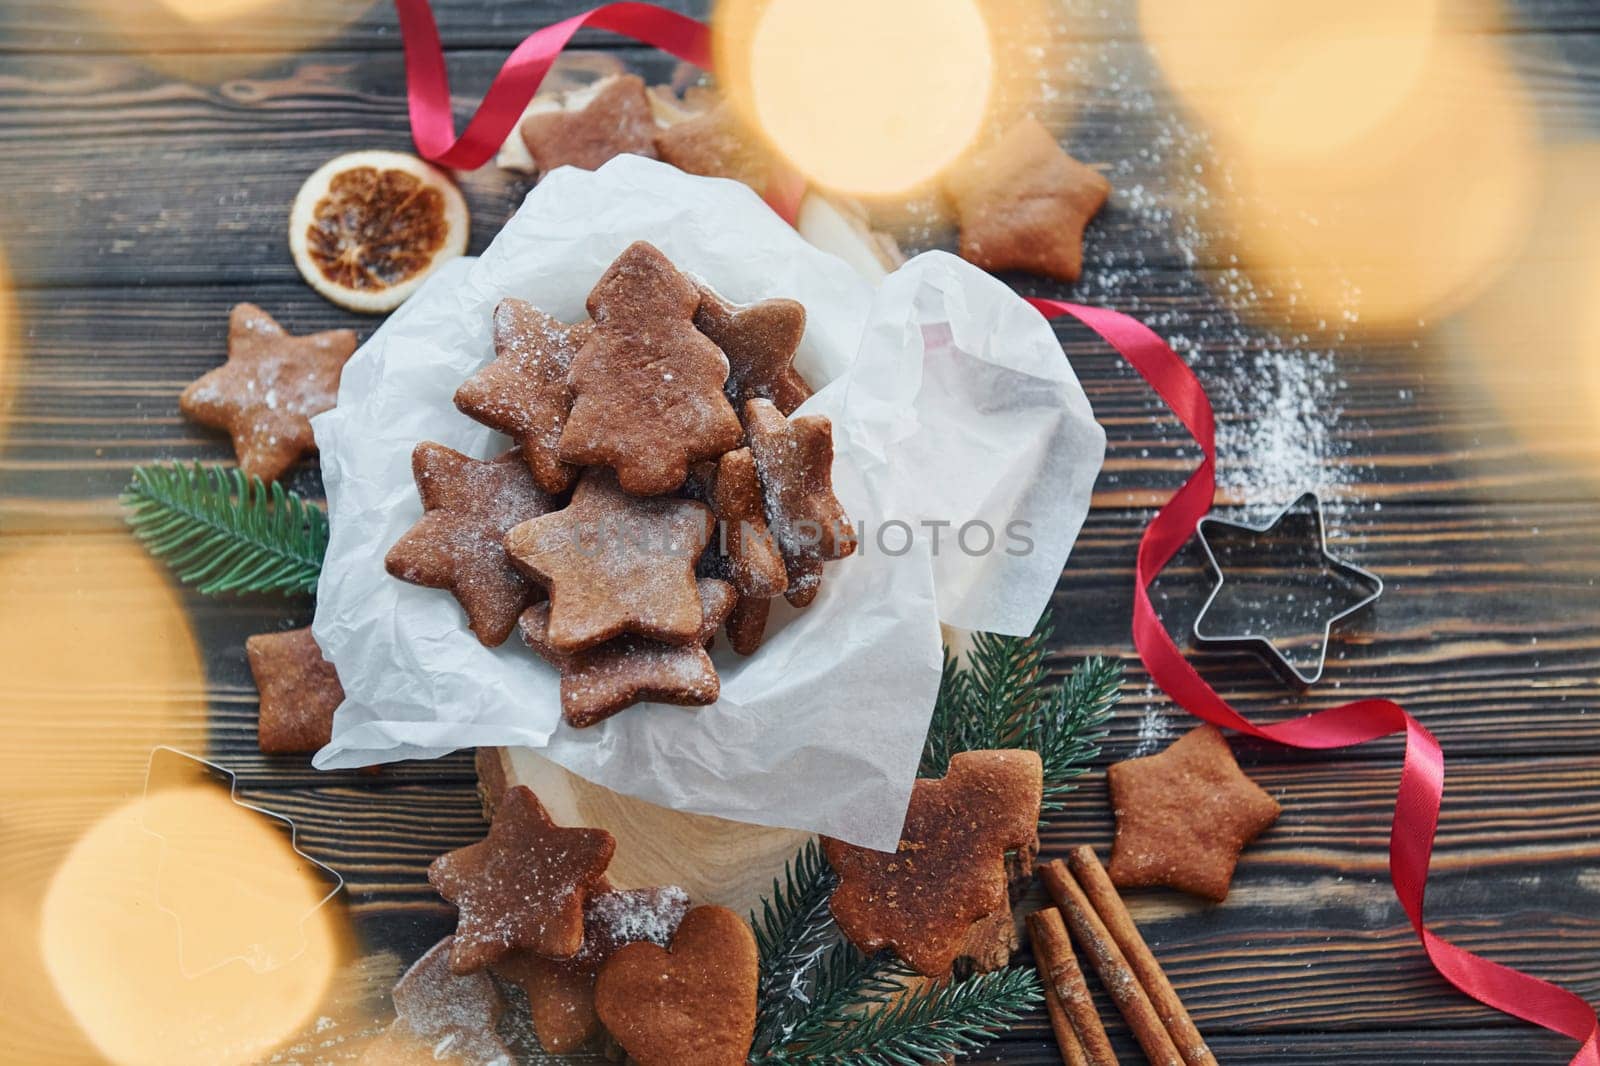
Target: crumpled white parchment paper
{"x":951,"y":403}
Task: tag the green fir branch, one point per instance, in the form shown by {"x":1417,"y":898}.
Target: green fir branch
{"x":1068,"y":729}
{"x":791,"y":935}
{"x":849,"y":981}
{"x":1009,"y":682}
{"x":839,"y":985}
{"x":1001,"y":697}
{"x":948,"y":725}
{"x":920,"y":1026}
{"x":222,"y":532}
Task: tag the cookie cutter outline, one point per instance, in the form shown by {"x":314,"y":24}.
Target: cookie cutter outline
{"x":218,"y":774}
{"x":1262,"y":645}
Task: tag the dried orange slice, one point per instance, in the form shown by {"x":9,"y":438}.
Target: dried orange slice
{"x":368,"y":227}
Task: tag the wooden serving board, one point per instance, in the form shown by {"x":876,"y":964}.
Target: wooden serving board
{"x":717,"y":861}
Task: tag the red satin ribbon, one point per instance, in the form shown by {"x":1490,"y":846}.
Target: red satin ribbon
{"x":1416,"y":815}
{"x":433,"y":126}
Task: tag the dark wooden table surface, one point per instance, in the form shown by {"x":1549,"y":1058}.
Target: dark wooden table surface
{"x":145,"y":175}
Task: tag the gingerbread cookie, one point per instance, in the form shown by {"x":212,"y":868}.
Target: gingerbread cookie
{"x":598,"y":682}
{"x":1184,"y":815}
{"x":442,"y":1017}
{"x":747,"y":554}
{"x":755,"y":567}
{"x":794,"y":461}
{"x":1023,"y":204}
{"x":267,"y":391}
{"x":747,"y":624}
{"x":692,"y":1003}
{"x":523,"y":887}
{"x":715,"y":144}
{"x":616,"y":119}
{"x":949,"y":871}
{"x":561,"y":992}
{"x":524,"y":392}
{"x":469,"y":505}
{"x":647,"y":386}
{"x":614,"y":563}
{"x":759,"y":341}
{"x":299,"y":691}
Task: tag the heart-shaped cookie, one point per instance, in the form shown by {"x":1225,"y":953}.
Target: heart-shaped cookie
{"x":694,"y":1002}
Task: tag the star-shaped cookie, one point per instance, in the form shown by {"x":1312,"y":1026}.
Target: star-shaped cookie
{"x":949,"y":871}
{"x":561,"y":991}
{"x":615,"y":119}
{"x":1023,"y":203}
{"x":745,"y":553}
{"x":794,"y":462}
{"x":267,"y":391}
{"x":468,"y":506}
{"x":760,"y":341}
{"x":442,"y":1017}
{"x":524,"y":392}
{"x":523,"y":887}
{"x":598,"y":682}
{"x":647,"y":386}
{"x":299,"y":691}
{"x":1184,"y":815}
{"x":754,"y":564}
{"x":715,"y":144}
{"x":615,"y":563}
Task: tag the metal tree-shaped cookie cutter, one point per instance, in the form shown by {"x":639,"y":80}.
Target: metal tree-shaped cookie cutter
{"x":1257,"y":632}
{"x":171,"y":769}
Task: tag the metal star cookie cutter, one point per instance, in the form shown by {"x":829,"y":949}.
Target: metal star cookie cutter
{"x":186,"y":870}
{"x":1253,"y":606}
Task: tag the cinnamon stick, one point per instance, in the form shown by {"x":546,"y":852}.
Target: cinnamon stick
{"x":1079,"y":1033}
{"x":1109,"y":962}
{"x":1113,"y":912}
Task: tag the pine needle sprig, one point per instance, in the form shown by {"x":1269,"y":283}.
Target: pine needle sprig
{"x":1001,"y":697}
{"x":1073,"y":722}
{"x":841,"y":984}
{"x":849,"y":980}
{"x":222,"y":532}
{"x":949,"y":725}
{"x":921,"y":1026}
{"x":791,"y":936}
{"x":1009,"y":682}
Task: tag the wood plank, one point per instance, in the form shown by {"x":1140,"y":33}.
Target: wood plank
{"x":1481,"y":1047}
{"x":208,"y":163}
{"x":97,"y":382}
{"x":1489,"y":667}
{"x":158,"y":26}
{"x":43,"y":26}
{"x":1489,"y":633}
{"x":1311,"y":940}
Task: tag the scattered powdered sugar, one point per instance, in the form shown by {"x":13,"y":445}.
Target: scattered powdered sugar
{"x":628,"y":916}
{"x":1156,"y":726}
{"x":453,"y":1014}
{"x":1160,"y":253}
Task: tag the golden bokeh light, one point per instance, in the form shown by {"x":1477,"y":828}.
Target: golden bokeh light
{"x":203,"y":11}
{"x":1294,"y":81}
{"x":10,"y":349}
{"x":1408,"y":217}
{"x":202,"y":40}
{"x":217,"y":875}
{"x":1531,"y":341}
{"x":867,"y":99}
{"x":100,"y":666}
